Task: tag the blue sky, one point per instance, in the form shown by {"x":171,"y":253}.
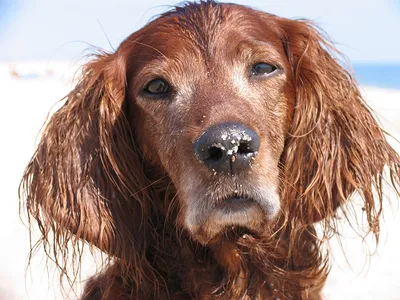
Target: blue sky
{"x":365,"y":30}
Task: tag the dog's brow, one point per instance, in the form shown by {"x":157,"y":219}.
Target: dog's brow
{"x":259,"y":48}
{"x":263,"y":44}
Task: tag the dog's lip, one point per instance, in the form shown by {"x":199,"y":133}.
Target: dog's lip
{"x":236,"y":206}
{"x":235,"y":203}
{"x":240,"y":208}
{"x":236,"y":200}
{"x":232,"y":212}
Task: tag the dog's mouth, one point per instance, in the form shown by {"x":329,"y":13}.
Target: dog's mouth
{"x":236,"y":215}
{"x":235,"y":204}
{"x":233,"y":234}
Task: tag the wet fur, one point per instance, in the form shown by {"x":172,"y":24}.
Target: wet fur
{"x":117,"y":170}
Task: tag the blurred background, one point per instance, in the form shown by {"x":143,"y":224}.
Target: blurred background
{"x":43,"y":42}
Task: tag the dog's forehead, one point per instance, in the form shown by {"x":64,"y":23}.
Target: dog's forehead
{"x":203,"y":28}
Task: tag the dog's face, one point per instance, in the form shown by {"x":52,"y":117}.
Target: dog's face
{"x":213,"y":107}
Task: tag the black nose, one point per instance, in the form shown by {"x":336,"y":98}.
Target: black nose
{"x":228,"y":147}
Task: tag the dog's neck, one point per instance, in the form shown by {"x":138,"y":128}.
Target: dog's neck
{"x":233,"y":266}
{"x":236,"y":269}
{"x":242,"y":267}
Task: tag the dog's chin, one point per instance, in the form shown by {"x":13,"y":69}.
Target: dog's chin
{"x":235,"y":217}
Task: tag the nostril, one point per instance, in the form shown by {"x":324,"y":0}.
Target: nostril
{"x":244,"y":148}
{"x":214,"y":153}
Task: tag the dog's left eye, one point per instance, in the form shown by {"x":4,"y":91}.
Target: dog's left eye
{"x":262,"y":69}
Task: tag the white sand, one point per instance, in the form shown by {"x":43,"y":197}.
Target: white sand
{"x":24,"y":106}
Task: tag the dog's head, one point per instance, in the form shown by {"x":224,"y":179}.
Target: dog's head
{"x":213,"y":101}
{"x":247,"y":116}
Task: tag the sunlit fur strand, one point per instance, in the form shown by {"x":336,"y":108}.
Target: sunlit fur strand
{"x":90,"y":182}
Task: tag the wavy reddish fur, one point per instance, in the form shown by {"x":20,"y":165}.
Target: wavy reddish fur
{"x":101,"y":174}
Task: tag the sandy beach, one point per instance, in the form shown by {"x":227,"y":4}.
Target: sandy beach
{"x":29,"y":90}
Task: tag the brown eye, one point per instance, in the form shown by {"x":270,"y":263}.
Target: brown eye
{"x":262,"y":69}
{"x":157,"y":87}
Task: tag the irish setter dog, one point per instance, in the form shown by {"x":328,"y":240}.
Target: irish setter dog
{"x":202,"y":155}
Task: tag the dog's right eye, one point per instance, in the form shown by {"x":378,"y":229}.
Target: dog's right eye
{"x":157,"y":87}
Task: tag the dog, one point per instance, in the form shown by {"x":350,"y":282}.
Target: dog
{"x":200,"y":156}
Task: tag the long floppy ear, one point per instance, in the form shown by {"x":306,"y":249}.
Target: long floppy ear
{"x":335,"y":146}
{"x":85,"y":180}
